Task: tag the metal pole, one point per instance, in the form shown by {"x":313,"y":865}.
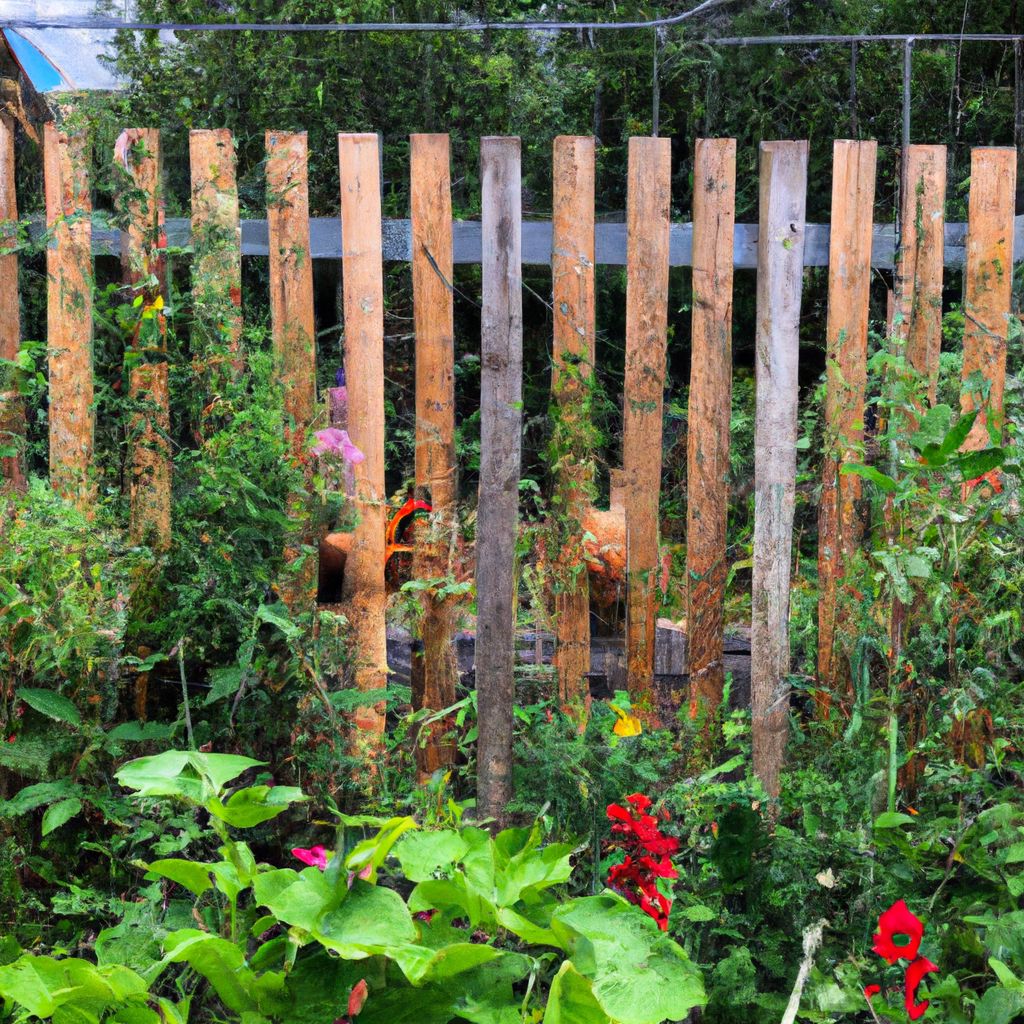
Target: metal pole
{"x":908,"y":51}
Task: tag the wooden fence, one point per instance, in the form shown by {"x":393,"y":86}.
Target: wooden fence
{"x":779,"y":246}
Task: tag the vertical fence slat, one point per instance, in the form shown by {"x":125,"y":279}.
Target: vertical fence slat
{"x":988,"y":279}
{"x":572,"y":277}
{"x":12,"y":416}
{"x":69,"y":310}
{"x":144,"y":262}
{"x":780,"y":259}
{"x":436,"y":470}
{"x":501,"y":422}
{"x":918,"y":283}
{"x":647,"y":234}
{"x":363,"y":287}
{"x":849,"y":284}
{"x":291,"y":272}
{"x":710,"y":407}
{"x":217,"y":246}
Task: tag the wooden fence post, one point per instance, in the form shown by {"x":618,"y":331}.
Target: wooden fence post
{"x":849,"y":286}
{"x":918,"y":283}
{"x":144,"y":261}
{"x":710,"y":409}
{"x":436,"y":467}
{"x":988,"y":280}
{"x":359,"y":162}
{"x":12,"y":415}
{"x":217,"y":259}
{"x":501,"y":424}
{"x":647,"y":220}
{"x":294,"y":335}
{"x":572,"y":278}
{"x":69,"y":310}
{"x":780,"y":270}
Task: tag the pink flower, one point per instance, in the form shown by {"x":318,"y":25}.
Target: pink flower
{"x":315,"y":856}
{"x":334,"y":440}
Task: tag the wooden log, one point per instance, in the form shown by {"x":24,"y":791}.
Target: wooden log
{"x":436,"y":467}
{"x":710,"y":408}
{"x":988,"y":280}
{"x":917,"y":295}
{"x":66,"y":156}
{"x":572,"y":276}
{"x":849,"y":284}
{"x":12,"y":414}
{"x":144,"y":262}
{"x":501,"y":424}
{"x":783,"y":201}
{"x":294,"y":337}
{"x":291,"y":273}
{"x":647,"y":220}
{"x":359,"y":161}
{"x":217,"y":260}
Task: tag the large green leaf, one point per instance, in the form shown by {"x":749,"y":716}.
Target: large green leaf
{"x":368,"y":921}
{"x":185,"y":773}
{"x":255,"y":804}
{"x":639,"y":975}
{"x":193,"y":876}
{"x":571,"y":1000}
{"x":51,"y":704}
{"x":59,"y":813}
{"x":38,"y":795}
{"x":422,"y":854}
{"x":421,"y":964}
{"x":371,"y":853}
{"x":297,"y":898}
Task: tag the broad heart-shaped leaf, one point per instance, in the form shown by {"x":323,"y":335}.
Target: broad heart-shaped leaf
{"x":454,"y":897}
{"x":421,"y":854}
{"x":369,"y":920}
{"x":296,"y":898}
{"x":51,"y":704}
{"x":185,"y":773}
{"x":999,"y":1006}
{"x":188,"y":873}
{"x":59,"y":813}
{"x":255,"y":804}
{"x":639,"y":975}
{"x":484,"y":994}
{"x":319,"y":986}
{"x":421,"y":964}
{"x":571,"y":1000}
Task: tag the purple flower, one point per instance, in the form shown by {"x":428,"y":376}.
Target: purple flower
{"x":334,"y":440}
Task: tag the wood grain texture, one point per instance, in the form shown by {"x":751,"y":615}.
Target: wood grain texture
{"x":144,"y":264}
{"x":66,"y":158}
{"x":919,"y":264}
{"x":436,"y":467}
{"x":572,"y":276}
{"x":359,"y":161}
{"x":849,"y":284}
{"x":12,"y":413}
{"x":783,"y":202}
{"x":501,"y":425}
{"x":291,"y":272}
{"x":710,"y":409}
{"x":217,"y":259}
{"x":988,"y":281}
{"x":647,"y":218}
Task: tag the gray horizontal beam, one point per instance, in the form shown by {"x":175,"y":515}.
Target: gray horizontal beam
{"x":610,"y":242}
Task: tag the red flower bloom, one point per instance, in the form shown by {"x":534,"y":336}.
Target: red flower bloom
{"x":871,"y":990}
{"x":912,"y":981}
{"x":315,"y":856}
{"x":898,"y":920}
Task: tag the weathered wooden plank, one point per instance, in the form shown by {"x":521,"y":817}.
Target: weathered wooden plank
{"x":988,"y":280}
{"x":12,"y":414}
{"x":144,"y":262}
{"x":69,"y":310}
{"x":291,"y":272}
{"x":217,"y":255}
{"x":853,"y":192}
{"x":359,"y":161}
{"x":294,"y":336}
{"x":783,"y":202}
{"x":648,"y":198}
{"x":501,"y":424}
{"x":918,"y":282}
{"x":572,"y":276}
{"x":436,"y":468}
{"x":710,"y":409}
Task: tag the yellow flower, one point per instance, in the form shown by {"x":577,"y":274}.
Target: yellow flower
{"x":627,"y":724}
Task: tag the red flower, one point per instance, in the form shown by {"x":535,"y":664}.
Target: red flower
{"x":898,"y":920}
{"x":912,"y":981}
{"x":871,"y":990}
{"x":639,"y":802}
{"x":315,"y":856}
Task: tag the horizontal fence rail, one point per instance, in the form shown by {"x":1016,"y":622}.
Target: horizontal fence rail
{"x":609,"y":242}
